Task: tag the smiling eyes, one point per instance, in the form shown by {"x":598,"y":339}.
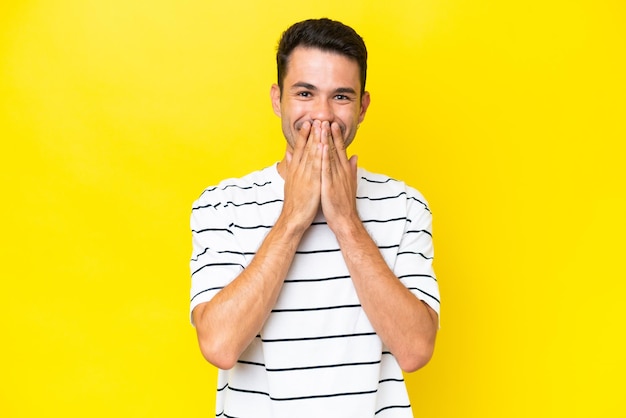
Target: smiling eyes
{"x":308,"y":95}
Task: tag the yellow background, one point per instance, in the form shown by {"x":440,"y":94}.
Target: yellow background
{"x":507,"y":115}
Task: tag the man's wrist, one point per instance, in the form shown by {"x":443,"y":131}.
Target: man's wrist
{"x":290,"y":228}
{"x":350,"y":231}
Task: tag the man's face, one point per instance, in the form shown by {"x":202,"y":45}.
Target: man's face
{"x":320,"y":85}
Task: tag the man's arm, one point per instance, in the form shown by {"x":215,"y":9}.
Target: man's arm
{"x":228,"y":323}
{"x":404,"y":323}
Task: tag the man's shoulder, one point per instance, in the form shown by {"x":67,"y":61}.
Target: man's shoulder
{"x":251,"y":183}
{"x":370,"y":180}
{"x":381,"y":186}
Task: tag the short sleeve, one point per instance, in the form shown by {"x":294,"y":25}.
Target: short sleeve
{"x":216,"y":257}
{"x":414,"y":263}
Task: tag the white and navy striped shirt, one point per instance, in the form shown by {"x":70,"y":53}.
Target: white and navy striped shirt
{"x":317,"y":355}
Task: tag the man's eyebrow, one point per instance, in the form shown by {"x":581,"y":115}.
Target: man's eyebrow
{"x":303,"y":85}
{"x":349,"y":90}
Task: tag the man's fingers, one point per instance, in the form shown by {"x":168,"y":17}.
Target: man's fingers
{"x":326,"y":134}
{"x":353,"y":164}
{"x":302,"y":138}
{"x":314,"y":145}
{"x":337,"y":135}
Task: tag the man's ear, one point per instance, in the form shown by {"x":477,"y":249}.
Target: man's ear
{"x":365,"y":103}
{"x":275,"y":95}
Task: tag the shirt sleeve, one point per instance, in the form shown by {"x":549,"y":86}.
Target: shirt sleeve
{"x":414,"y":264}
{"x":216,"y":258}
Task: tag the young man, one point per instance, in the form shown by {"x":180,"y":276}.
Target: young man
{"x":312,"y":281}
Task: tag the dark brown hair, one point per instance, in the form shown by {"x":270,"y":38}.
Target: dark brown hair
{"x":327,"y":35}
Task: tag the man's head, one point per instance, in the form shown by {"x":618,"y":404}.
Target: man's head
{"x":321,"y":76}
{"x":326,"y":35}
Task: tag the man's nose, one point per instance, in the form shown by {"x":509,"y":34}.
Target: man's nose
{"x":322,"y":110}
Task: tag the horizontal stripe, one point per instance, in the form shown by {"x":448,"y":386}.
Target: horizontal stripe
{"x":224,"y":187}
{"x":215,"y":265}
{"x":391,"y":380}
{"x":415,"y":253}
{"x":206,"y":290}
{"x":316,"y":367}
{"x":253,"y":363}
{"x":199,"y":231}
{"x":427,"y":294}
{"x":405,"y":276}
{"x":334,"y":250}
{"x":403,"y":218}
{"x":299,"y":398}
{"x":321,"y":279}
{"x":246,"y":187}
{"x":381,"y":198}
{"x":388,"y":247}
{"x":209,"y":205}
{"x":321,"y":308}
{"x":387,"y":180}
{"x":230,"y":202}
{"x":391,"y":407}
{"x":421,"y":231}
{"x":199,"y":255}
{"x":383,"y":220}
{"x":330,"y":250}
{"x":251,"y":227}
{"x":247,"y":253}
{"x":254,"y":202}
{"x":419,"y":201}
{"x":324,"y":337}
{"x":242,"y":253}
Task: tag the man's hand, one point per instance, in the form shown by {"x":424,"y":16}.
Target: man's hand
{"x":234,"y":317}
{"x":339,"y":182}
{"x":303,"y":179}
{"x":405,"y":324}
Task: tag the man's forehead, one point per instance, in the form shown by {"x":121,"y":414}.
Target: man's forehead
{"x":309,"y":65}
{"x":307,"y":52}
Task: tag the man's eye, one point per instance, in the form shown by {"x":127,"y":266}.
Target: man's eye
{"x":342,"y":97}
{"x":304,"y":94}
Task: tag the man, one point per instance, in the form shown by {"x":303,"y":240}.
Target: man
{"x":312,"y":281}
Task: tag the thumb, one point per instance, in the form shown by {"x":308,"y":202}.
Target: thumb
{"x":353,"y":163}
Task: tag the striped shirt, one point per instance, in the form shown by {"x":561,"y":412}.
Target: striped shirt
{"x":317,"y":354}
